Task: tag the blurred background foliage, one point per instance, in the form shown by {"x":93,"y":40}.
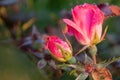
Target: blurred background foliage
{"x":15,"y":65}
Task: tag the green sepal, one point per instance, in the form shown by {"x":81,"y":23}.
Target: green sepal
{"x":72,"y":60}
{"x":58,"y":59}
{"x":93,"y":50}
{"x":104,"y":33}
{"x":68,"y":42}
{"x":66,"y":54}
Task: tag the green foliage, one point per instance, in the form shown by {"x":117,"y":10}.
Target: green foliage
{"x":15,"y":65}
{"x":108,"y":62}
{"x":67,"y":76}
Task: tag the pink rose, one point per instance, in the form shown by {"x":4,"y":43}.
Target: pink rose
{"x":58,"y":48}
{"x":86,"y":25}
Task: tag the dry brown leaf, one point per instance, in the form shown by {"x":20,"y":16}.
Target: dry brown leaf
{"x":28,"y":24}
{"x":115,"y":10}
{"x":101,"y":74}
{"x":89,"y":68}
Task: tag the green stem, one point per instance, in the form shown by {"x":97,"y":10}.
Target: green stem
{"x":85,"y":47}
{"x":94,"y":59}
{"x":90,"y":77}
{"x":67,"y":65}
{"x":93,"y":52}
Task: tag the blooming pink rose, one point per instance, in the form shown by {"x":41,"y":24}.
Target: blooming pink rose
{"x":86,"y":25}
{"x":58,"y":48}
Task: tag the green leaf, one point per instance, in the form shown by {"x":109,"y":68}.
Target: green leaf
{"x":82,"y":76}
{"x":107,"y":62}
{"x":67,"y":76}
{"x":73,"y":72}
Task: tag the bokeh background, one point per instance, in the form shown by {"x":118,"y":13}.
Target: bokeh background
{"x":46,"y":15}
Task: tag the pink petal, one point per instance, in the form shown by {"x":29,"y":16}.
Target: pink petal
{"x":87,"y":19}
{"x":52,"y":43}
{"x":70,"y":31}
{"x":81,"y":39}
{"x":99,"y":30}
{"x":82,"y":17}
{"x":88,"y":16}
{"x":76,"y":31}
{"x":62,"y":43}
{"x":73,"y":25}
{"x":54,"y":50}
{"x":96,"y":23}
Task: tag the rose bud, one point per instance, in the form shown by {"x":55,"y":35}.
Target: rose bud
{"x":86,"y":25}
{"x":58,"y":48}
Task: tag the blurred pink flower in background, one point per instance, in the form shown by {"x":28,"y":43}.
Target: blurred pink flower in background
{"x":58,"y":48}
{"x":86,"y":25}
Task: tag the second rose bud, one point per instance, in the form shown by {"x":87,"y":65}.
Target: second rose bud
{"x":58,"y":48}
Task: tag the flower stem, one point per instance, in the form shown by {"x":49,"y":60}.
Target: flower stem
{"x":93,"y":52}
{"x":85,"y":47}
{"x":94,"y":59}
